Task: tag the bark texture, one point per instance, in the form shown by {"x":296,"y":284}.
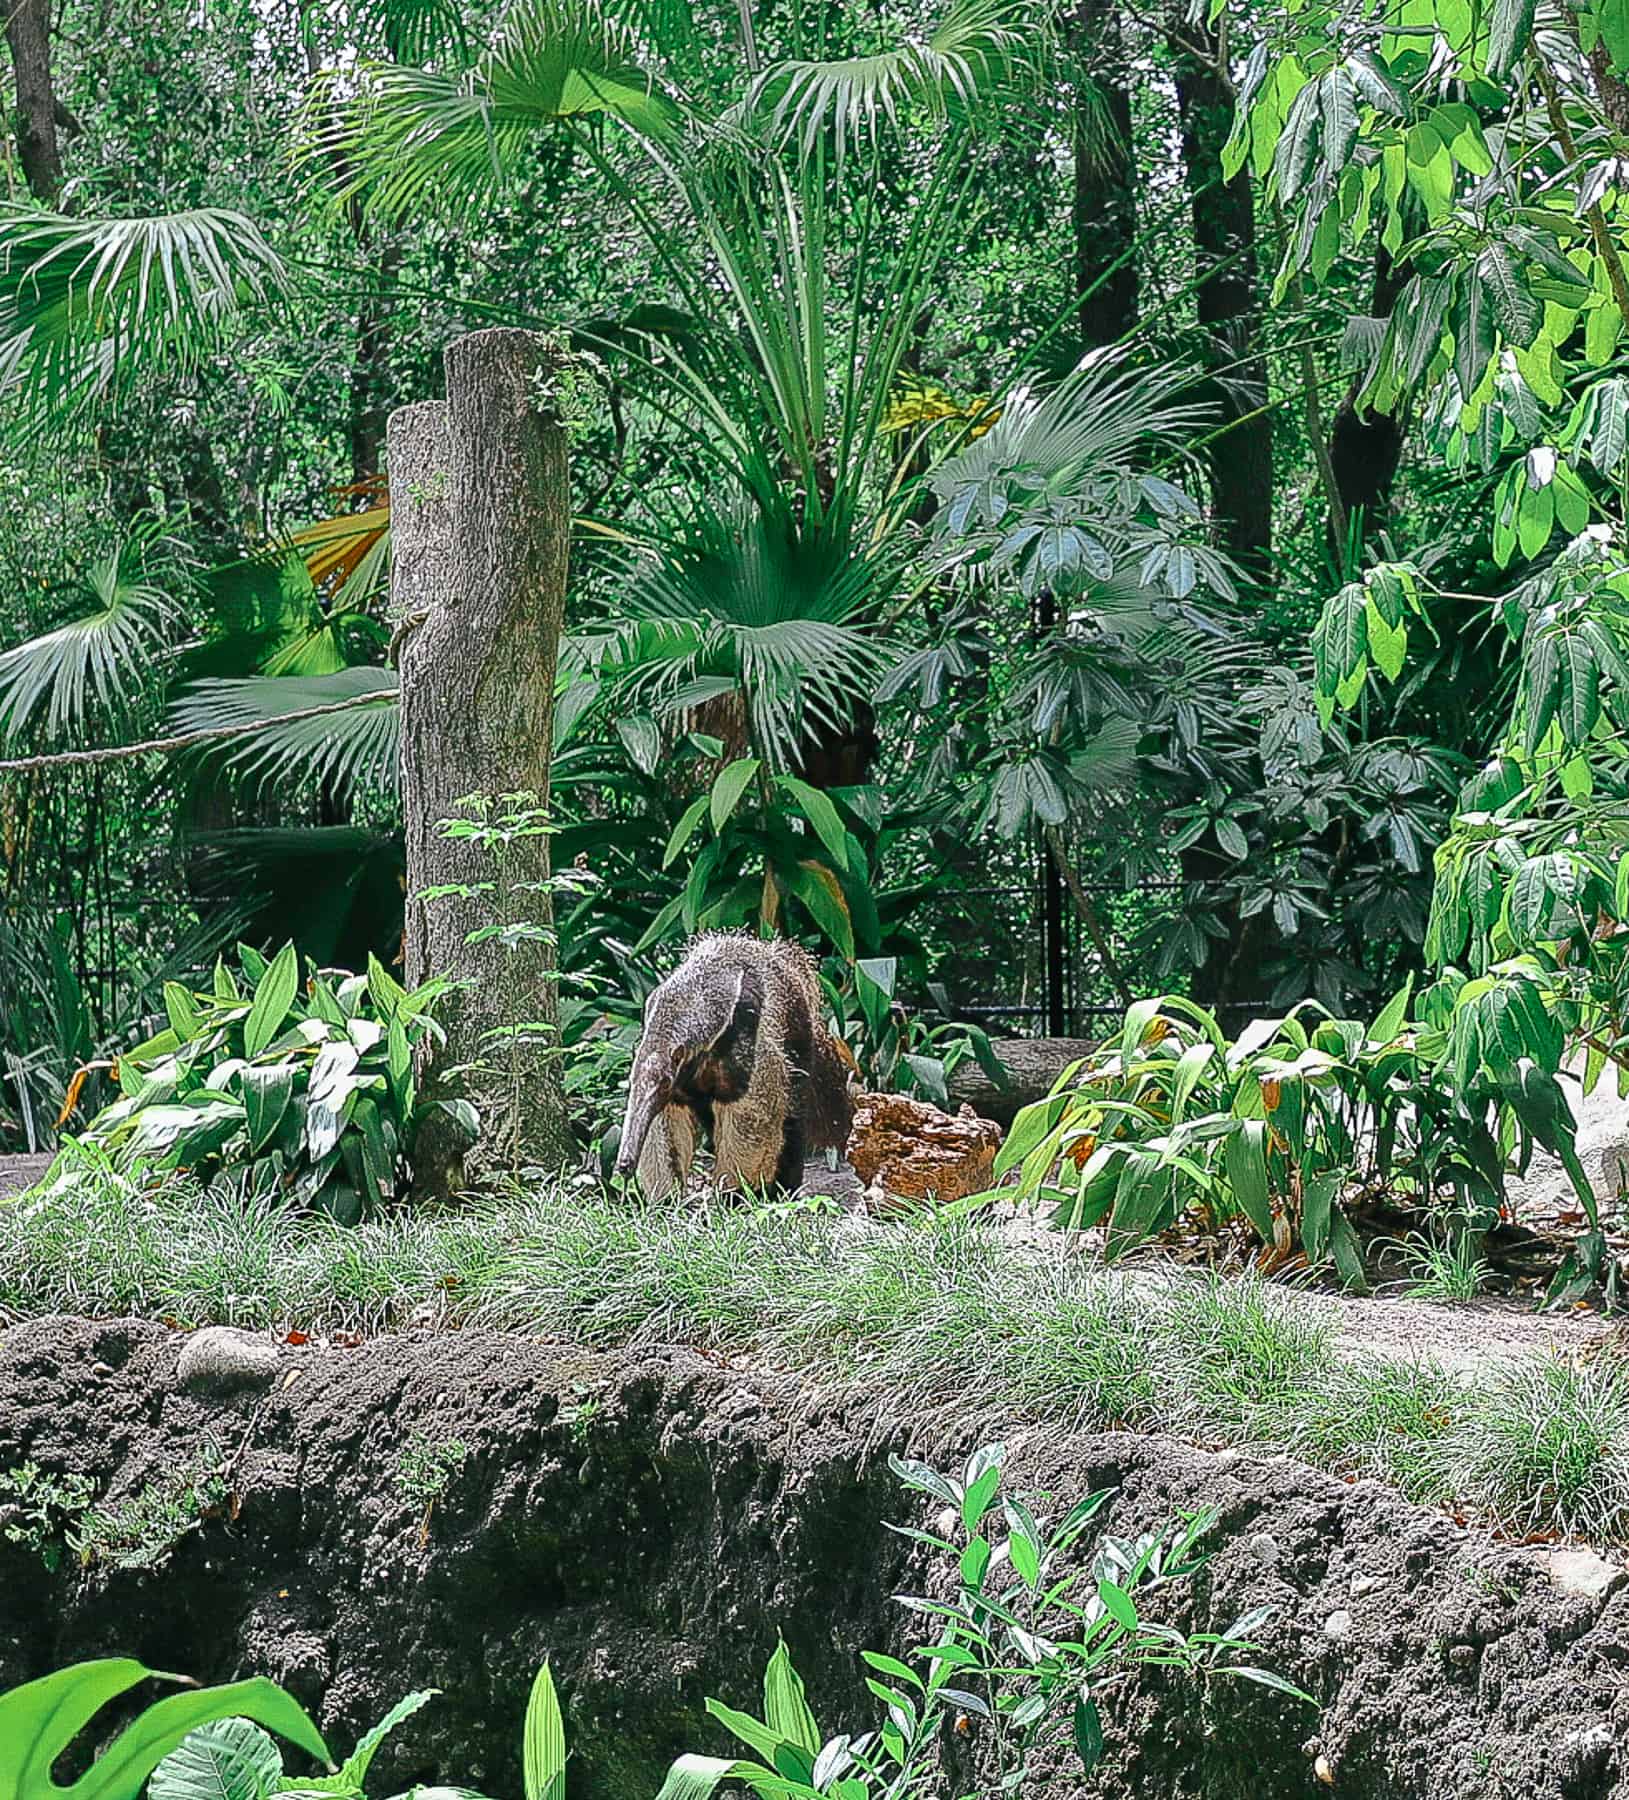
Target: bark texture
{"x":1224,"y":229}
{"x":28,"y":34}
{"x":1365,"y":447}
{"x":482,"y":521}
{"x":1105,"y":186}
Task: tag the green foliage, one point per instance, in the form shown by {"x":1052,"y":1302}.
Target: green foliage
{"x":897,"y":1050}
{"x":39,"y":1720}
{"x":233,"y":1759}
{"x":40,"y":1509}
{"x":142,"y":1530}
{"x":1020,"y":1650}
{"x":755,"y":862}
{"x":89,"y":304}
{"x":1278,"y":1126}
{"x":309,"y":1092}
{"x":93,"y":666}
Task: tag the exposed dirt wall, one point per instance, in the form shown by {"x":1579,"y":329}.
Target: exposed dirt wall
{"x":651,"y":1521}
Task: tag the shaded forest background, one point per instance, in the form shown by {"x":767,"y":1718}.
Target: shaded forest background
{"x":1016,"y":726}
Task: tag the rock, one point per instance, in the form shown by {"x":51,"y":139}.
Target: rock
{"x":1264,"y":1548}
{"x":1324,"y":1771}
{"x":916,"y":1152}
{"x":1366,"y":1584}
{"x":221,"y":1357}
{"x":1338,"y":1625}
{"x":1584,"y":1574}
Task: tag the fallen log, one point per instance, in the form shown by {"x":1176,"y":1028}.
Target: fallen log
{"x":1031,"y":1066}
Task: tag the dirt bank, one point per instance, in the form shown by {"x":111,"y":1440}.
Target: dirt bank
{"x":650,"y":1522}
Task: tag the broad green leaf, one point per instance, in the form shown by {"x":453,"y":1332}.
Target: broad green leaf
{"x":274,"y":994}
{"x":1389,"y":1020}
{"x":266,"y":1095}
{"x":1118,"y":1603}
{"x":700,"y":1777}
{"x":1512,"y":27}
{"x":1518,"y":313}
{"x":1244,"y":1162}
{"x":976,"y":1501}
{"x":231,"y":1759}
{"x":1087,"y":1727}
{"x":40,"y":1719}
{"x":817,"y":888}
{"x":544,"y":1741}
{"x":181,"y":1010}
{"x":786,"y":1705}
{"x":689,"y":819}
{"x":731,"y":784}
{"x":821,"y":814}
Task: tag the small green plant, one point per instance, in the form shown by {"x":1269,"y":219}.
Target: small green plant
{"x":896,"y":1050}
{"x":306,"y":1092}
{"x":40,"y":1509}
{"x":40,"y":1719}
{"x":235,"y":1758}
{"x":493,"y":825}
{"x":143,"y":1530}
{"x":424,"y":1470}
{"x":579,"y":1412}
{"x":1020,"y":1651}
{"x":571,"y":387}
{"x":1451,"y":1271}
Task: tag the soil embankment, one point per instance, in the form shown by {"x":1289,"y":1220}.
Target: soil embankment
{"x":650,"y":1521}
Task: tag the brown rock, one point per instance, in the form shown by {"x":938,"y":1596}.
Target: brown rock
{"x":913,"y":1150}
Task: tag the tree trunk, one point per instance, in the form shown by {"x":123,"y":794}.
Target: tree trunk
{"x":1105,"y":190}
{"x":28,"y":33}
{"x":1365,"y":447}
{"x":370,"y":372}
{"x":482,"y":523}
{"x":1224,"y":229}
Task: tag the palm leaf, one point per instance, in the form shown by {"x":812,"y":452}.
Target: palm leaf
{"x":94,"y":663}
{"x":1104,"y":414}
{"x":348,"y":749}
{"x":86,"y":305}
{"x":417,"y":138}
{"x":975,"y":47}
{"x":753,"y":603}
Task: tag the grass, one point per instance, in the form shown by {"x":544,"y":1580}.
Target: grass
{"x":922,"y":1324}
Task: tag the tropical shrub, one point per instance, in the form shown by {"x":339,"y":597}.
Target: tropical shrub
{"x":897,"y":1050}
{"x":41,"y":1719}
{"x":309,"y":1092}
{"x":1020,"y":1650}
{"x":234,"y":1757}
{"x":1283,"y":1125}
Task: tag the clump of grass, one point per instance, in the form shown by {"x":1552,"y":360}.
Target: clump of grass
{"x":921,"y":1322}
{"x":1546,"y":1447}
{"x":1451,"y":1271}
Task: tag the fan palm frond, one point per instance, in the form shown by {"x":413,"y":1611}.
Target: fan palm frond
{"x":754,"y":605}
{"x":348,"y":749}
{"x":1100,"y":418}
{"x":414,"y":30}
{"x":974,"y":48}
{"x":348,"y":555}
{"x":95,"y":662}
{"x":87,"y":304}
{"x":412,"y":139}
